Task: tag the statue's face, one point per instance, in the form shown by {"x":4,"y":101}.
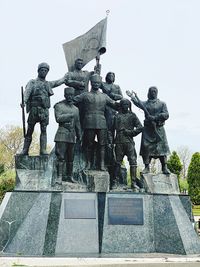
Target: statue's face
{"x":78,"y":64}
{"x":153,"y":92}
{"x":69,"y":97}
{"x":125,"y":106}
{"x":95,"y":85}
{"x":111,"y":78}
{"x":42,"y":73}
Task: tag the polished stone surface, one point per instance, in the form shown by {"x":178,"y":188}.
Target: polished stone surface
{"x":161,"y":183}
{"x":98,"y":181}
{"x":38,"y":225}
{"x":129,"y":238}
{"x":30,"y":236}
{"x":77,"y":235}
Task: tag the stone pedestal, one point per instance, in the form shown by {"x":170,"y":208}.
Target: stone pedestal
{"x":161,"y":183}
{"x":74,"y":224}
{"x":98,"y":181}
{"x":33,"y":173}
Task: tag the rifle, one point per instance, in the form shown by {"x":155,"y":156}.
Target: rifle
{"x":147,"y":114}
{"x":23,"y":112}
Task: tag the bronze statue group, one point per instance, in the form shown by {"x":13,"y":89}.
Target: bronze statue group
{"x":101,"y":113}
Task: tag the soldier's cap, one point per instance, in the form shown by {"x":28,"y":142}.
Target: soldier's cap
{"x":96,"y":78}
{"x":70,"y":90}
{"x":43,"y":65}
{"x":124,"y":101}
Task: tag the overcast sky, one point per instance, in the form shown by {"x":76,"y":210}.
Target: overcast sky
{"x":149,"y":43}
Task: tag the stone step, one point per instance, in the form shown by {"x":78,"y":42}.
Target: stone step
{"x":148,"y":261}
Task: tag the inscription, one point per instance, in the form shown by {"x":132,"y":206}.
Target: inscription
{"x":79,"y":209}
{"x":125,"y":211}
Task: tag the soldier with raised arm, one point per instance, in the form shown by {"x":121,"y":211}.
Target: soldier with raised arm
{"x":37,"y":99}
{"x":94,"y":123}
{"x":114,"y":92}
{"x":79,"y":80}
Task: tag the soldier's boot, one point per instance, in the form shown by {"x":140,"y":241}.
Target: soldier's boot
{"x":88,"y":159}
{"x":70,"y":172}
{"x":133,"y":174}
{"x":102,"y":159}
{"x":43,"y":144}
{"x":59,"y":172}
{"x":146,"y":169}
{"x":27,"y":143}
{"x":117,"y":176}
{"x":163,"y":161}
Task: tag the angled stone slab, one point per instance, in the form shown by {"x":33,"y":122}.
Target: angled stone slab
{"x":161,"y":183}
{"x":29,"y":238}
{"x":190,"y":239}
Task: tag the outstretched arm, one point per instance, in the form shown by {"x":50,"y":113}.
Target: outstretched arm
{"x":57,"y":82}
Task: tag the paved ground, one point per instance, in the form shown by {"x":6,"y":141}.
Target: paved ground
{"x":150,"y":260}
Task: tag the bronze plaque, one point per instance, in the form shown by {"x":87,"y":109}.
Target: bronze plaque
{"x":125,"y":211}
{"x":79,"y":209}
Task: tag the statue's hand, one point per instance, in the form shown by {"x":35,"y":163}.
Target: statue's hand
{"x":151,"y":118}
{"x":129,"y":93}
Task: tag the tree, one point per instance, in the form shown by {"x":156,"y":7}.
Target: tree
{"x":194,"y":178}
{"x":174,"y":164}
{"x":185,"y":157}
{"x":11,"y":143}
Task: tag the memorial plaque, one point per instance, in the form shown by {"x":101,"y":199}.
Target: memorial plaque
{"x":79,"y":209}
{"x":125,"y":211}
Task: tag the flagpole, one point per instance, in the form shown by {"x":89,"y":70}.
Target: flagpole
{"x":97,"y":68}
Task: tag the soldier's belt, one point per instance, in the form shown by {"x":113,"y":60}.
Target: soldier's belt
{"x":66,"y":125}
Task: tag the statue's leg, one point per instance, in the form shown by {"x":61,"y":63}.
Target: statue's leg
{"x":119,"y":153}
{"x":146,"y":161}
{"x":69,"y":162}
{"x":163,"y":161}
{"x":60,"y":151}
{"x":89,"y":136}
{"x":132,"y":158}
{"x":43,"y":139}
{"x":102,"y":155}
{"x":102,"y":140}
{"x":28,"y":139}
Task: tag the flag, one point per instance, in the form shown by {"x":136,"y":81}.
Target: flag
{"x":86,"y":46}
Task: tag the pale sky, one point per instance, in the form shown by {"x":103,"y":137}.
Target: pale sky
{"x":149,"y":43}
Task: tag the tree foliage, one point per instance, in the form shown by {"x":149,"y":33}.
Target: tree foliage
{"x":174,"y":164}
{"x":7,"y":182}
{"x":194,"y":178}
{"x":185,"y":155}
{"x":11,"y":143}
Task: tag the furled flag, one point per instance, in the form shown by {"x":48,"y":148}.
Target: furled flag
{"x":86,"y":46}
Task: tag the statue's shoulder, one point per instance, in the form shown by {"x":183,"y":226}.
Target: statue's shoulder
{"x":60,"y":103}
{"x":31,"y":82}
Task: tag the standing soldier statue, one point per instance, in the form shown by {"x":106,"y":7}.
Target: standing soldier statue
{"x":94,"y":123}
{"x":37,"y":101}
{"x":126,"y":126}
{"x":67,"y":116}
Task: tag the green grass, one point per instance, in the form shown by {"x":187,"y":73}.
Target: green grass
{"x":196,"y":210}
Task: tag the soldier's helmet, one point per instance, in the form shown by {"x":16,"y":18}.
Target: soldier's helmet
{"x":96,"y":78}
{"x":43,"y":65}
